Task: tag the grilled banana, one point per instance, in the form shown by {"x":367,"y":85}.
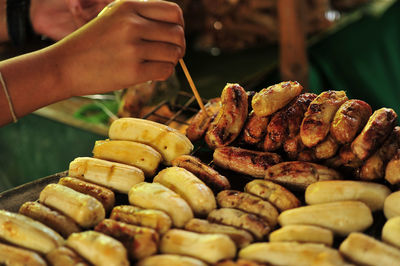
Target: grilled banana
{"x":273,"y":98}
{"x":241,"y":237}
{"x":28,"y":233}
{"x":240,"y":219}
{"x":208,"y":247}
{"x":155,"y":219}
{"x":169,"y":142}
{"x":248,"y":203}
{"x":129,"y":152}
{"x":292,"y":253}
{"x":63,"y":256}
{"x":98,"y":248}
{"x":342,"y":217}
{"x":372,"y":194}
{"x":199,"y":197}
{"x":391,"y":231}
{"x":83,"y":209}
{"x":302,"y":233}
{"x":299,"y":175}
{"x":10,"y":255}
{"x":170,"y":259}
{"x":279,"y":196}
{"x":365,"y":250}
{"x":159,"y":197}
{"x":392,"y":171}
{"x":391,"y":206}
{"x":116,"y":176}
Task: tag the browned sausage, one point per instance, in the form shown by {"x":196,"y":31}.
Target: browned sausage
{"x":253,"y":163}
{"x":229,"y":122}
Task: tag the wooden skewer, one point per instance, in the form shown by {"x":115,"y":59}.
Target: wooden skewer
{"x":192,"y":86}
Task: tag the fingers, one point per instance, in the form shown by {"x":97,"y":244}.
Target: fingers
{"x":158,"y":51}
{"x":160,"y":11}
{"x":156,"y":71}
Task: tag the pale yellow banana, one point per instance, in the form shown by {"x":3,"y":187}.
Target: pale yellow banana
{"x":372,"y":194}
{"x":159,"y":197}
{"x":116,"y":176}
{"x":168,"y":141}
{"x":128,"y":152}
{"x":83,"y":209}
{"x":365,"y":250}
{"x":98,"y":248}
{"x":391,"y":231}
{"x":28,"y":233}
{"x":391,"y":206}
{"x":170,"y":259}
{"x":302,"y":233}
{"x":207,"y":247}
{"x":292,"y":254}
{"x":197,"y":194}
{"x":342,"y":217}
{"x":10,"y":255}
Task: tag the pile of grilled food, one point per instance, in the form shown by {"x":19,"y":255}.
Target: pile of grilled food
{"x":321,"y":175}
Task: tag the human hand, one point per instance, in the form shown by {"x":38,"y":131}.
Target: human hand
{"x":129,"y":43}
{"x":58,"y":18}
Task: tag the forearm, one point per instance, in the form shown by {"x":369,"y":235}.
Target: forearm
{"x":33,"y":80}
{"x":3,"y":23}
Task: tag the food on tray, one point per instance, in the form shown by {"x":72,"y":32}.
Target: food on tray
{"x":253,"y":163}
{"x":199,"y":197}
{"x":342,"y":217}
{"x":159,"y":197}
{"x":28,"y":233}
{"x":132,"y":153}
{"x":366,"y":250}
{"x":254,"y":129}
{"x":326,"y":149}
{"x":391,"y":231}
{"x":317,"y":120}
{"x":239,"y":262}
{"x":241,"y":237}
{"x":207,"y":247}
{"x":230,"y":119}
{"x":102,"y":194}
{"x":140,"y":242}
{"x":372,"y":194}
{"x":391,"y":206}
{"x":378,"y":128}
{"x":155,"y":219}
{"x":169,"y":142}
{"x":240,"y":219}
{"x":53,"y":219}
{"x":299,"y":175}
{"x":273,"y":98}
{"x":83,"y":209}
{"x":208,"y":175}
{"x":63,"y":256}
{"x":278,"y":195}
{"x":392,"y":169}
{"x":11,"y":255}
{"x":98,"y":248}
{"x":116,"y":176}
{"x":201,"y":121}
{"x":170,"y":259}
{"x":292,"y":253}
{"x":248,"y":203}
{"x":349,"y":120}
{"x":303,"y":234}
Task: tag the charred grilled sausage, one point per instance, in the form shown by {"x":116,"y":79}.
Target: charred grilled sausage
{"x":317,"y":120}
{"x":253,"y":163}
{"x":53,"y":219}
{"x":349,"y":120}
{"x":201,"y":121}
{"x":228,"y":124}
{"x":379,"y":126}
{"x":208,"y":175}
